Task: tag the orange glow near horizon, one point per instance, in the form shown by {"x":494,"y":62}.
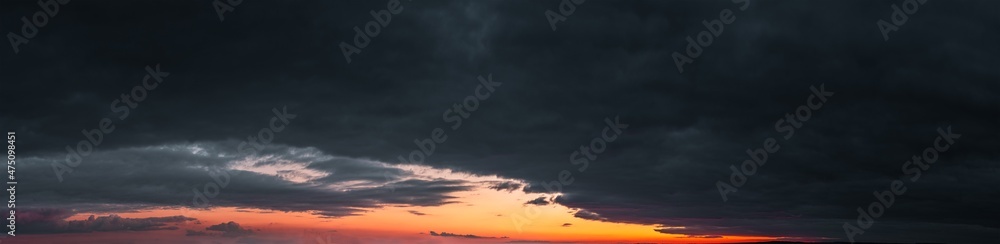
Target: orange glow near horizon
{"x":498,"y":215}
{"x":483,"y":212}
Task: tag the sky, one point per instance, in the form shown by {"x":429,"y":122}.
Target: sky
{"x":502,"y":121}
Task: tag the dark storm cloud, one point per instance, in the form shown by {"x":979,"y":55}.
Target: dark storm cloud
{"x":169,"y":175}
{"x":609,"y":58}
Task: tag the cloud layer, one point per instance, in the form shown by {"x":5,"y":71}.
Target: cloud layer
{"x":610,"y":58}
{"x":50,"y":221}
{"x":214,"y":174}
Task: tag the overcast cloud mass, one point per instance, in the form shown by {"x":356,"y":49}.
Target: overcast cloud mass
{"x":609,"y":59}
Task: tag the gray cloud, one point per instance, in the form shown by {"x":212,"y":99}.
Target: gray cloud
{"x":45,"y":221}
{"x":538,"y":201}
{"x":584,"y":214}
{"x":508,"y":186}
{"x":166,"y":176}
{"x":230,"y":229}
{"x":446,"y":234}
